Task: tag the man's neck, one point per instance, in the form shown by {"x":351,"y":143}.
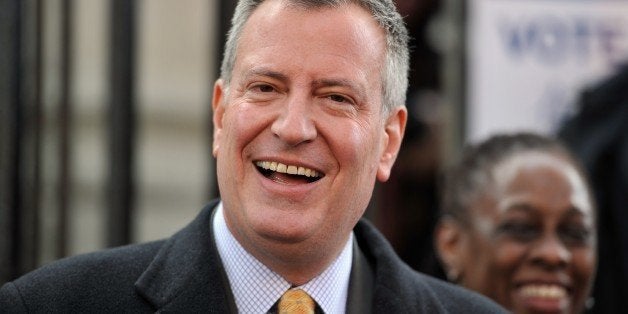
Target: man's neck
{"x":247,"y":274}
{"x":297,"y":262}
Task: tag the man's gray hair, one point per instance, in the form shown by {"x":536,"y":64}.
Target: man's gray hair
{"x":396,"y":64}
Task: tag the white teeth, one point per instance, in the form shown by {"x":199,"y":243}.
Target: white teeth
{"x":289,"y":169}
{"x":281,"y":168}
{"x":544,"y":291}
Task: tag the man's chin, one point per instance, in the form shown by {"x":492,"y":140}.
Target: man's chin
{"x":285,"y":234}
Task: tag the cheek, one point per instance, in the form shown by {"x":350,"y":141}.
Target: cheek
{"x":584,"y":265}
{"x":353,"y":142}
{"x":509,"y":260}
{"x":585,"y":262}
{"x":509,"y":255}
{"x":243,"y":123}
{"x":495,"y":263}
{"x":354,"y":150}
{"x":240,"y":127}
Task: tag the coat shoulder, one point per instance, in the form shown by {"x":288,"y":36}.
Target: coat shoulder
{"x":451,"y":298}
{"x":399,"y":288}
{"x":102,"y":279}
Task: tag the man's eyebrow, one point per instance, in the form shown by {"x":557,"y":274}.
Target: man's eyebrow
{"x":340,"y":82}
{"x":267,"y":73}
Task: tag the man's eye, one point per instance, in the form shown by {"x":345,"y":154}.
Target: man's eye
{"x":338,"y":98}
{"x":264,"y":88}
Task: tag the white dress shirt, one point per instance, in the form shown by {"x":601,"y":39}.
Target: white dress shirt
{"x":256,"y":288}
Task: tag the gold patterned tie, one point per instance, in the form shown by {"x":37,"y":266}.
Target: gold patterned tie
{"x":296,"y":301}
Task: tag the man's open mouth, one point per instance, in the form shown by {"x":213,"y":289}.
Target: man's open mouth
{"x":287,"y":173}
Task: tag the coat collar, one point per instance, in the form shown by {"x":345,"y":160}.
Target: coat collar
{"x":186,"y":274}
{"x":392,"y":277}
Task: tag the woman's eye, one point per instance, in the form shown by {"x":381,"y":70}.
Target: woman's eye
{"x":519,"y":231}
{"x":575,"y":235}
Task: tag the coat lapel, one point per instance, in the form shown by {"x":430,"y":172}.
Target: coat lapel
{"x":361,"y":283}
{"x":187,"y":274}
{"x":389,"y":290}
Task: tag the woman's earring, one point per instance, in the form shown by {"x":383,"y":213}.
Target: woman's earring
{"x":453,"y":275}
{"x":589,"y":303}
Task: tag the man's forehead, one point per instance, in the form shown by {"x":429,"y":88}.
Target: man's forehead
{"x":269,"y":9}
{"x":350,"y":28}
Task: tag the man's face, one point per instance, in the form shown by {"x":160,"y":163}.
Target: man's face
{"x":305,"y":98}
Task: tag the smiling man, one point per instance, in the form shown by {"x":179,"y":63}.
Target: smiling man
{"x":308,"y":96}
{"x":308,"y":114}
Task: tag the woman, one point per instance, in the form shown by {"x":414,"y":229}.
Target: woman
{"x":518,"y":225}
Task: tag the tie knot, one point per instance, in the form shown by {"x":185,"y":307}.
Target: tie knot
{"x":296,"y":301}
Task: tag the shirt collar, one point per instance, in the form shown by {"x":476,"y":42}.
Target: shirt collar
{"x":256,"y":288}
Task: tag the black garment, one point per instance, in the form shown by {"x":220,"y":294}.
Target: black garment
{"x":598,"y":135}
{"x":184,"y":274}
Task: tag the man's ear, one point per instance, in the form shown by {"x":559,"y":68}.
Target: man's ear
{"x":394,"y":129}
{"x":218,"y":110}
{"x":449,"y":246}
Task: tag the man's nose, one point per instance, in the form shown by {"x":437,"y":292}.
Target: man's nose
{"x":294,"y":124}
{"x":551,"y":252}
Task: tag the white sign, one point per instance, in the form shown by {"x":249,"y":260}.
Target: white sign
{"x":528,"y":60}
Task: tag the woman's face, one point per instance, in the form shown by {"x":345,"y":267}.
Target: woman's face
{"x":531,"y":244}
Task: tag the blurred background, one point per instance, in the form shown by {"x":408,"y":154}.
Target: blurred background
{"x":105,"y":116}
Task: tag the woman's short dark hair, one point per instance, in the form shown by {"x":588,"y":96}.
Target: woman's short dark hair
{"x":472,"y":175}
